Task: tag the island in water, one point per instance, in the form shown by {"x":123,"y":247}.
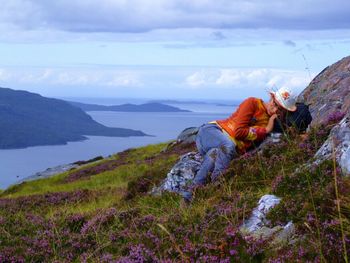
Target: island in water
{"x":146,"y":107}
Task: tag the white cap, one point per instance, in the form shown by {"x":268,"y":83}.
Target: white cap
{"x":285,"y":98}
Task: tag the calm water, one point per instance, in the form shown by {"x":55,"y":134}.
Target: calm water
{"x":20,"y":163}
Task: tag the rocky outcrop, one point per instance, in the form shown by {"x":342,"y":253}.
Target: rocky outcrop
{"x":49,"y":172}
{"x":187,"y":136}
{"x":328,"y":92}
{"x":257,"y":226}
{"x":52,"y":171}
{"x":258,"y":217}
{"x":181,"y":175}
{"x":337,"y":146}
{"x":329,"y":98}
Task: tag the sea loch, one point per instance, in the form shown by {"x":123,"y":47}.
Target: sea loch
{"x":17,"y":164}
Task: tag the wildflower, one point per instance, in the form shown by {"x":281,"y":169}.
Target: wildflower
{"x":99,"y":220}
{"x":335,"y":117}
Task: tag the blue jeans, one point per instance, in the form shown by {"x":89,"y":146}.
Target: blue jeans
{"x":218,"y":150}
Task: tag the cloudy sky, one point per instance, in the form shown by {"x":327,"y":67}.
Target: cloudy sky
{"x":171,"y":49}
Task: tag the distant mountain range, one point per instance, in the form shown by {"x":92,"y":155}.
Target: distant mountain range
{"x":233,"y":103}
{"x":147,"y":107}
{"x":28,"y":119}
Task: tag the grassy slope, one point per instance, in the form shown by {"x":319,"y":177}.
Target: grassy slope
{"x":103,"y":211}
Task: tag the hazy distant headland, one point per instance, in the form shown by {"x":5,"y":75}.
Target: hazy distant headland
{"x":234,"y":103}
{"x":28,"y":119}
{"x":146,"y":107}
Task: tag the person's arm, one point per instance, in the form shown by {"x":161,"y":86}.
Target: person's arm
{"x":271,"y":122}
{"x":243,"y":130}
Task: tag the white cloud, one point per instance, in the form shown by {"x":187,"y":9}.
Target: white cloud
{"x":296,"y":80}
{"x":202,"y":77}
{"x":4,"y":75}
{"x":124,"y":79}
{"x":219,"y":83}
{"x":249,"y":79}
{"x":229,"y":77}
{"x":46,"y":74}
{"x":72,"y":77}
{"x":32,"y":76}
{"x":196,"y":79}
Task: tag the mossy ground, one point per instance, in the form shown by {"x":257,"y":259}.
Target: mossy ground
{"x":106,"y":215}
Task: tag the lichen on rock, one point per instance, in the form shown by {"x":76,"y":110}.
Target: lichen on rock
{"x":257,"y":226}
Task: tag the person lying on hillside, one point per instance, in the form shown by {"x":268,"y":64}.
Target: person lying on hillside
{"x":222,"y":140}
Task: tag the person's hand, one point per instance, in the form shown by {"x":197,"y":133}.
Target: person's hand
{"x":271,"y":122}
{"x":273,"y":117}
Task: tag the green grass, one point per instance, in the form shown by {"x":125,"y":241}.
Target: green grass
{"x":105,"y":200}
{"x":116,"y":178}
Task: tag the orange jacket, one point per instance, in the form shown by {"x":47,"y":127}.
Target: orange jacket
{"x":247,"y":123}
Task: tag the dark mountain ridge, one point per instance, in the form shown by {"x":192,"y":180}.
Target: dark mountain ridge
{"x":147,"y":107}
{"x":28,"y":119}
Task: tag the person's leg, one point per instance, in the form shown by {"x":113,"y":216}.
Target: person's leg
{"x":207,"y":167}
{"x":217,"y":149}
{"x":225,"y":153}
{"x":203,"y":143}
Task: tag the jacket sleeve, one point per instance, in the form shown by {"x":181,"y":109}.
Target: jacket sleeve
{"x":243,"y":130}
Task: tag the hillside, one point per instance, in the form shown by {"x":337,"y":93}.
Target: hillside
{"x":103,"y":212}
{"x":147,"y":107}
{"x":28,"y":119}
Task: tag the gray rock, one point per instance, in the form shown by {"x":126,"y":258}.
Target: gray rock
{"x":188,"y":135}
{"x":345,"y":162}
{"x":273,"y":138}
{"x":328,"y":92}
{"x":49,"y":172}
{"x":287,"y":232}
{"x":329,"y":97}
{"x":339,"y":143}
{"x":280,"y":234}
{"x":276,"y":137}
{"x":181,"y":175}
{"x":258,"y":217}
{"x":258,"y":226}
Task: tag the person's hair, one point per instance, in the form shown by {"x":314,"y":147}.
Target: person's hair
{"x":281,"y":112}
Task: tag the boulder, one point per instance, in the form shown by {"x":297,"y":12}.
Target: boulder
{"x":328,"y":92}
{"x":258,"y":217}
{"x":329,"y":98}
{"x":337,"y":146}
{"x":181,"y":175}
{"x":258,"y":227}
{"x":188,"y":135}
